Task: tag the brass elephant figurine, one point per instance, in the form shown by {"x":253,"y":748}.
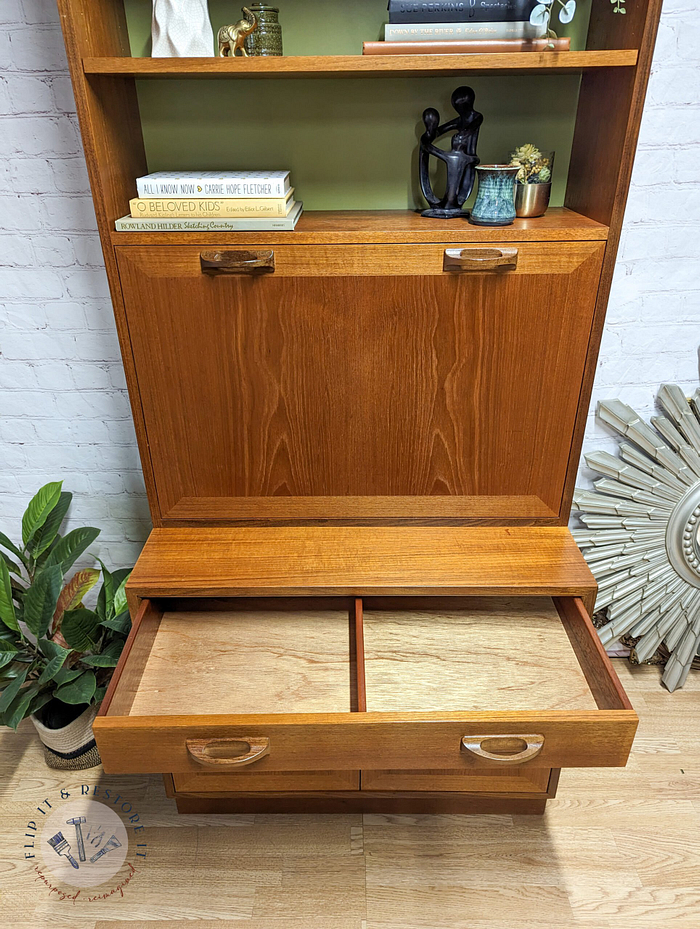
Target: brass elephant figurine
{"x":231,"y":38}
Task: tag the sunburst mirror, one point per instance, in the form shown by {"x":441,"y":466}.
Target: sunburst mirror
{"x":642,"y":524}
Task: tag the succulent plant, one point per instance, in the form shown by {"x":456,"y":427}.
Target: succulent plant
{"x":535,"y":165}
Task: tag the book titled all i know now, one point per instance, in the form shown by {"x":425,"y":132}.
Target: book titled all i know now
{"x":245,"y":184}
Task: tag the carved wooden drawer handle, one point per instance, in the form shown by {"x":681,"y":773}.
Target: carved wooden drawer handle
{"x":237,"y":262}
{"x":504,"y":749}
{"x":228,"y":753}
{"x":459,"y":260}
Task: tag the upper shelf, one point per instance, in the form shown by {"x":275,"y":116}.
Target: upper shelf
{"x":359,"y":65}
{"x":360,"y":227}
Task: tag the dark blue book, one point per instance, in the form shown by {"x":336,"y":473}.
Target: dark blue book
{"x":459,"y":11}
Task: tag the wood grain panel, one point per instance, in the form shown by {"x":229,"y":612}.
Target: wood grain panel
{"x":362,"y":227}
{"x":259,"y":661}
{"x":245,"y":781}
{"x":359,"y":65}
{"x":401,"y":385}
{"x":529,"y":781}
{"x":500,"y":654}
{"x":352,"y":741}
{"x":361,"y":561}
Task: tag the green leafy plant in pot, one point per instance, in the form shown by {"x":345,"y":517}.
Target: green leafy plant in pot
{"x":56,"y":655}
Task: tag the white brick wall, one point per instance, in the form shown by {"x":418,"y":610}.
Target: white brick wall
{"x":64,"y":411}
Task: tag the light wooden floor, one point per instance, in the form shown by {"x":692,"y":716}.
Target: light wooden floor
{"x":617,"y":848}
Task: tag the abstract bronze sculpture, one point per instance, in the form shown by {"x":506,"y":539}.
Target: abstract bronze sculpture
{"x":231,"y":38}
{"x":461,"y":160}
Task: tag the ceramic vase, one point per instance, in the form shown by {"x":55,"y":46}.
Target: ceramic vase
{"x":266,"y":41}
{"x":181,"y":29}
{"x":495,"y":198}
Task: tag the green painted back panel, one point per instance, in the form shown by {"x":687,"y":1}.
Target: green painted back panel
{"x":350,"y":143}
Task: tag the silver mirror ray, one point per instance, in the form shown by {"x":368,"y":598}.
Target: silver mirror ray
{"x":642,"y":530}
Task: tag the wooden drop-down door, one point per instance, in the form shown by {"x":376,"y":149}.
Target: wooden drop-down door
{"x":360,"y":382}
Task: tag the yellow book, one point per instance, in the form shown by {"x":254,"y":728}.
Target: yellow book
{"x":209,"y":208}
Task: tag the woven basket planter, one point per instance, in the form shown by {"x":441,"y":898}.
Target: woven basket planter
{"x":71,"y":748}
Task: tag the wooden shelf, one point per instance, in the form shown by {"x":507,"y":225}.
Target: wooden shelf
{"x":359,"y":227}
{"x":359,"y":65}
{"x":361,"y":561}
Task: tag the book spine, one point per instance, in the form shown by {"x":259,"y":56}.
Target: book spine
{"x":459,"y":11}
{"x":128,"y":224}
{"x":148,"y":188}
{"x":456,"y":32}
{"x":478,"y":46}
{"x":207,"y":209}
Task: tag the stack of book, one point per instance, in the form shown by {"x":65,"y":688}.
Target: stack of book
{"x":463,"y":27}
{"x":207,"y":201}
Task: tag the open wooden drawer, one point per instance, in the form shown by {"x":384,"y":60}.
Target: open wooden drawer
{"x":454,"y":684}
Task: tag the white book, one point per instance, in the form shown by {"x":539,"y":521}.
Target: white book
{"x":286,"y":224}
{"x":243,"y":184}
{"x":457,"y":32}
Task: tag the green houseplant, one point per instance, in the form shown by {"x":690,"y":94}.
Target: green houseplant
{"x":56,"y":654}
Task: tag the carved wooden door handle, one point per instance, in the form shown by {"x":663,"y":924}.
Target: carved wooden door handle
{"x":504,"y":749}
{"x":217,"y":261}
{"x":228,"y":753}
{"x":458,"y":260}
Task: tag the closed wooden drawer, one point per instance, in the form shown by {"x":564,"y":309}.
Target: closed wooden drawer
{"x":527,"y":781}
{"x":448,"y":684}
{"x":361,"y":381}
{"x":265,"y":781}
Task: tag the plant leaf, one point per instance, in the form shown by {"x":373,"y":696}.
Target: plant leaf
{"x":51,"y":649}
{"x":120,"y":605}
{"x":39,"y":508}
{"x":100,"y":694}
{"x":45,"y":535}
{"x":11,"y":691}
{"x":67,"y":551}
{"x":105,"y":598}
{"x":40,"y":600}
{"x":10,"y":547}
{"x":19,"y":707}
{"x":39,"y":701}
{"x":80,"y":629}
{"x":52,"y":668}
{"x":67,"y":674}
{"x":74,"y":591}
{"x":100,"y":661}
{"x":7,"y":607}
{"x":81,"y":690}
{"x":6,"y":658}
{"x":121,"y":623}
{"x":11,"y":566}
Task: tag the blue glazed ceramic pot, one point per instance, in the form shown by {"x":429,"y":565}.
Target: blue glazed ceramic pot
{"x":495,"y":199}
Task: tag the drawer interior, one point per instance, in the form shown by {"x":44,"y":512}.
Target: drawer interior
{"x":501,"y":654}
{"x":244,"y":657}
{"x":379,"y":655}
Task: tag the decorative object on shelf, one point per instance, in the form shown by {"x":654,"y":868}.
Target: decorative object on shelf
{"x":642,"y":537}
{"x":181,"y":29}
{"x":495,"y":198}
{"x":266,"y":40}
{"x":533,"y":185}
{"x":618,"y":6}
{"x":460,"y":160}
{"x":57,"y":656}
{"x":231,"y":39}
{"x":541,"y":16}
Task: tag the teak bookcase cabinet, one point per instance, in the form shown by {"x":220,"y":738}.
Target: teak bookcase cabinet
{"x":360,"y":592}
